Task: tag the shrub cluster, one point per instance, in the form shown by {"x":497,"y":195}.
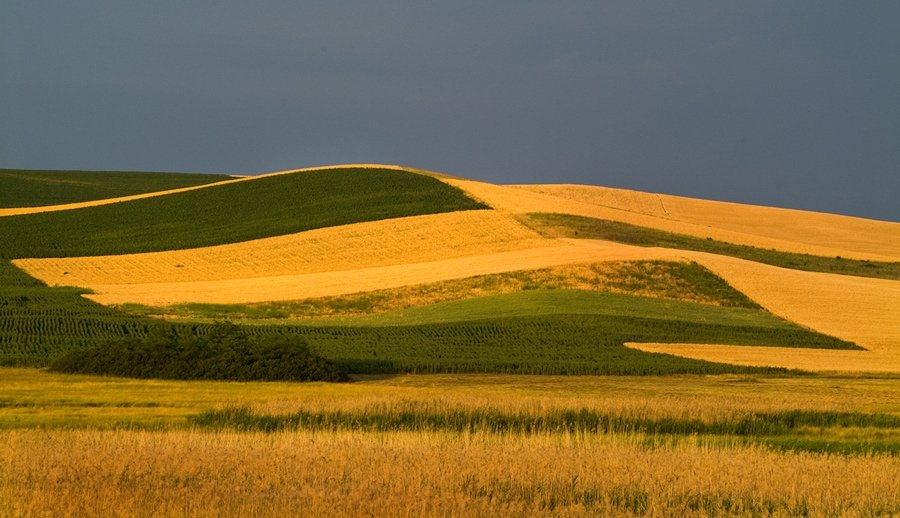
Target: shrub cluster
{"x":226,"y":353}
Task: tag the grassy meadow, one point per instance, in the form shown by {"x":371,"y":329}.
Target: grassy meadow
{"x":82,"y":445}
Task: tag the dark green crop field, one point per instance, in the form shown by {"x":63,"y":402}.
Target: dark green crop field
{"x":567,"y":225}
{"x":38,"y":323}
{"x":231,"y":213}
{"x":33,"y":188}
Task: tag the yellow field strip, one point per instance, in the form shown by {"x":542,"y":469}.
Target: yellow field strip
{"x":800,"y":226}
{"x":348,"y":247}
{"x":782,"y":229}
{"x":322,"y":284}
{"x":107,"y":201}
{"x":862,"y":310}
{"x":818,"y":360}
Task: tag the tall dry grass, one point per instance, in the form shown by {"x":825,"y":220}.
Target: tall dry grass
{"x":189,"y":473}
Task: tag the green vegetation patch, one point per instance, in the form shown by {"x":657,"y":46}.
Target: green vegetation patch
{"x":34,"y":188}
{"x":566,"y":225}
{"x":819,"y":431}
{"x":224,"y":353}
{"x":231,"y":213}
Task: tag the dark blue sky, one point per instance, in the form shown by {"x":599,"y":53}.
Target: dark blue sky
{"x":780,"y":103}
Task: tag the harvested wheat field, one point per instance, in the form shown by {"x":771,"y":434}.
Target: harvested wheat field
{"x":781,"y":229}
{"x":394,"y":241}
{"x":330,"y":283}
{"x":846,"y":233}
{"x":858,"y":309}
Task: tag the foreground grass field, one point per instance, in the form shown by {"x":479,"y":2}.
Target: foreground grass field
{"x":33,"y":188}
{"x":107,"y":446}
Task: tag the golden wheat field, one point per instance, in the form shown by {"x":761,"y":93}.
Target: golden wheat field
{"x":394,"y":241}
{"x":813,"y":234}
{"x":845,"y":233}
{"x":331,"y":283}
{"x":62,"y":458}
{"x":190,"y":473}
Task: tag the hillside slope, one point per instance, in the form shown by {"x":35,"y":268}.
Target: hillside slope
{"x":231,"y":212}
{"x":782,"y":229}
{"x":327,"y":232}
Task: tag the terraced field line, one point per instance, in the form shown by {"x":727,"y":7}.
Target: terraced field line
{"x":411,"y":239}
{"x":817,"y":360}
{"x":94,"y":203}
{"x":293,"y":287}
{"x":781,"y":229}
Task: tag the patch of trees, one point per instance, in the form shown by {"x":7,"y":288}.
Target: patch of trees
{"x":225,"y":353}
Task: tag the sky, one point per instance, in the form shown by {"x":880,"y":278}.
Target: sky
{"x":784,"y":103}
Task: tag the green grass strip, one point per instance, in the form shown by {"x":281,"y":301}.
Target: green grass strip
{"x":231,"y":213}
{"x":566,"y":225}
{"x":787,"y":430}
{"x":34,"y":188}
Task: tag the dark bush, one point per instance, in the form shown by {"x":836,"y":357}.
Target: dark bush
{"x":226,"y":353}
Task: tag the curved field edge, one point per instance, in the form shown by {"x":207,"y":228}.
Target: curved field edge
{"x":37,"y":189}
{"x":556,"y":225}
{"x":803,"y":228}
{"x":232,"y":212}
{"x":656,"y":279}
{"x":400,"y":240}
{"x":785,"y":230}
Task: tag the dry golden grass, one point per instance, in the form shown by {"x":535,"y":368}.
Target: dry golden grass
{"x":395,"y":241}
{"x":107,"y":201}
{"x":189,"y":473}
{"x":331,"y":283}
{"x":782,"y":229}
{"x":46,"y":470}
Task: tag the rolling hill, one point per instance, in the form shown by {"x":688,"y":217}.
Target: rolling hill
{"x":417,"y":271}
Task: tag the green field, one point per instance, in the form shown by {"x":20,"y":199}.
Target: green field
{"x":581,"y":227}
{"x":230,"y":213}
{"x":38,"y":323}
{"x":34,"y":188}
